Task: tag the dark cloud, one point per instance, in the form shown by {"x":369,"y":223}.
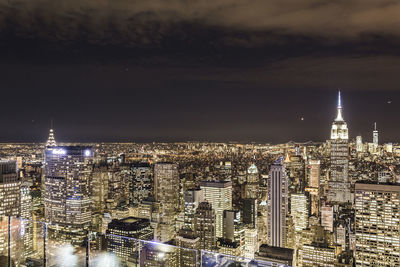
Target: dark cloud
{"x":143,"y":22}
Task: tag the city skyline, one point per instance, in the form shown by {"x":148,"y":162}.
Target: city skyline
{"x":302,"y":122}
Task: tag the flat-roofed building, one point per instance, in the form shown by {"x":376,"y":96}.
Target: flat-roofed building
{"x":377,"y":224}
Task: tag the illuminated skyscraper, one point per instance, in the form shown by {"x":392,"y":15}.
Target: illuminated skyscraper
{"x":299,"y":211}
{"x":251,"y":192}
{"x":26,"y":224}
{"x":377,"y":224}
{"x":313,"y":185}
{"x":250,"y":211}
{"x":10,"y":201}
{"x":313,"y":179}
{"x":338,"y":185}
{"x":277,"y":205}
{"x":251,"y":242}
{"x":67,"y":202}
{"x":187,"y":239}
{"x":166,"y":192}
{"x":375,"y":135}
{"x":252,"y":182}
{"x":140,"y":185}
{"x":10,"y":189}
{"x":359,"y":144}
{"x":166,"y":186}
{"x":219,"y":194}
{"x":204,"y":225}
{"x":327,"y":217}
{"x":193,"y":198}
{"x":375,"y":139}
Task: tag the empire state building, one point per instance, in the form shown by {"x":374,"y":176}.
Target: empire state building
{"x":338,"y":185}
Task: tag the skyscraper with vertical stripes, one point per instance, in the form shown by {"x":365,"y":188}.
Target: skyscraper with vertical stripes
{"x":277,"y":205}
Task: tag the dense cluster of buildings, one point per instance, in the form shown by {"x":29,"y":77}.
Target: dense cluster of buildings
{"x":335,"y":203}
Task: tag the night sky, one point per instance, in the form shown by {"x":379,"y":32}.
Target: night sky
{"x":178,"y":70}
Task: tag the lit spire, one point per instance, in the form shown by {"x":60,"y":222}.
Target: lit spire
{"x":51,"y":141}
{"x":287,"y":159}
{"x":375,"y":126}
{"x":339,"y":109}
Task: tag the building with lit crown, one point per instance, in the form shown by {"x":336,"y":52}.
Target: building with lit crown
{"x":338,"y":184}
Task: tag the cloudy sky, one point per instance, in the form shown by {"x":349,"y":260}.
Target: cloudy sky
{"x":168,"y":70}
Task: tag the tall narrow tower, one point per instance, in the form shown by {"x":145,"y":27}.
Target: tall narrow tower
{"x":338,"y":185}
{"x":166,"y":192}
{"x":375,"y":136}
{"x":359,"y":143}
{"x":277,"y":205}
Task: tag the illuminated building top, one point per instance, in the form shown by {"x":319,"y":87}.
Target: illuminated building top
{"x":339,"y":126}
{"x":252,"y":169}
{"x":51,"y":141}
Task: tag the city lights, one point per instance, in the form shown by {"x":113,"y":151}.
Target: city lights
{"x":189,"y":203}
